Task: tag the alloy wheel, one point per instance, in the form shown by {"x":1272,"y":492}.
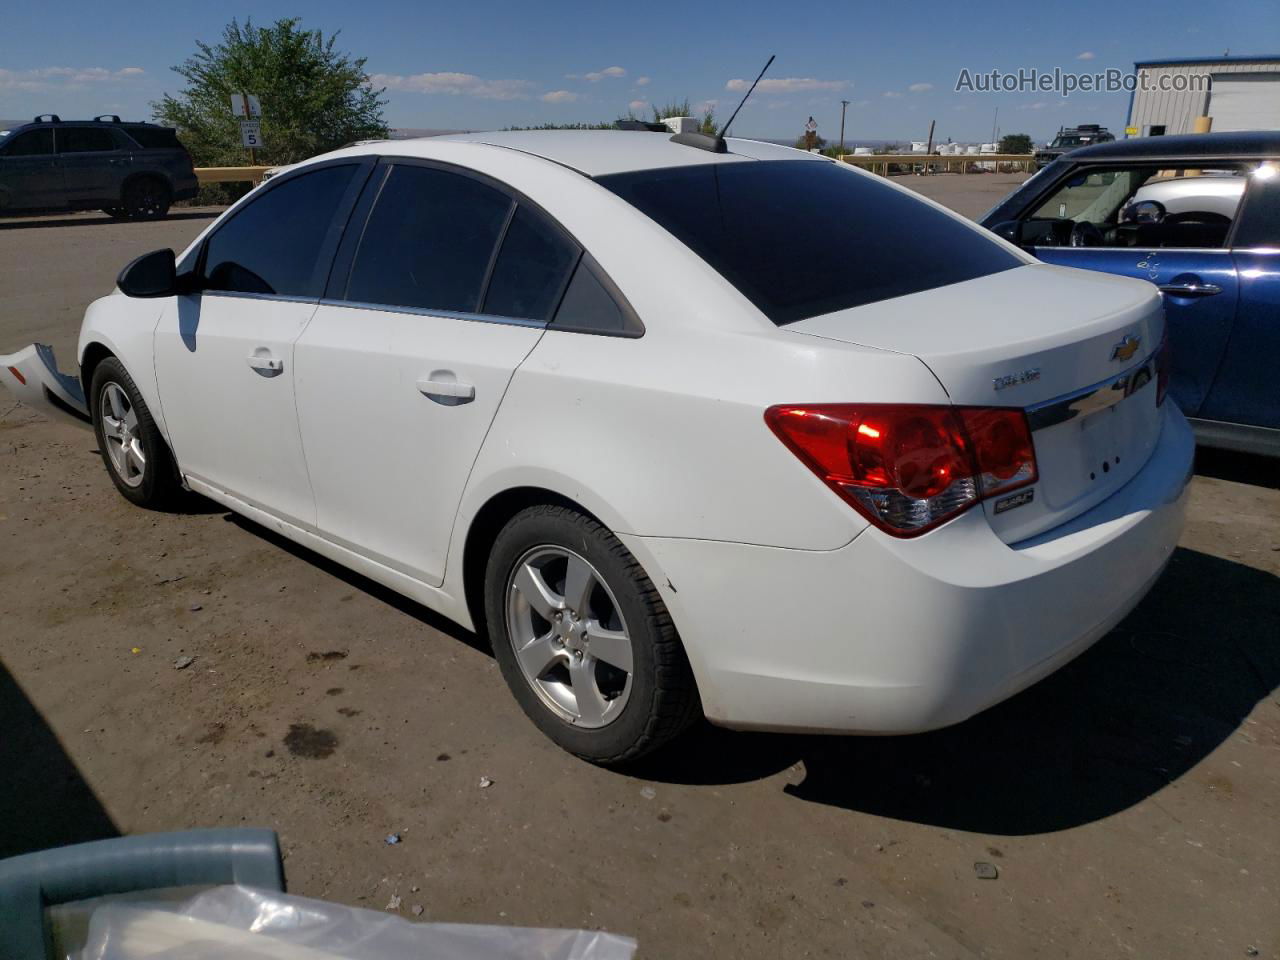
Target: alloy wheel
{"x":121,"y":434}
{"x":569,"y":636}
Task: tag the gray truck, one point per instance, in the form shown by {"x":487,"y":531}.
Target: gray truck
{"x":1071,"y":138}
{"x":132,"y":171}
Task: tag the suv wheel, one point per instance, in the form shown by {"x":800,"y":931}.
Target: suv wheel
{"x":583,"y":638}
{"x":146,"y":198}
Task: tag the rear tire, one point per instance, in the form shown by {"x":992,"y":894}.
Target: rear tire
{"x":146,"y":198}
{"x":136,"y":456}
{"x":584,"y":639}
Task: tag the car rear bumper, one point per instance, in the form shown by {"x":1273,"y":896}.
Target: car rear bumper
{"x":185,"y":188}
{"x":900,"y":636}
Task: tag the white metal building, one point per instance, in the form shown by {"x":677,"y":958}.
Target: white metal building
{"x":1239,"y":93}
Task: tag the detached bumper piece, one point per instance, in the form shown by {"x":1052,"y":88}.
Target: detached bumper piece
{"x":32,"y":376}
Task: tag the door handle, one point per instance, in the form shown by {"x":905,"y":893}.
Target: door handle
{"x":1191,"y":289}
{"x":448,"y":392}
{"x":265,"y":364}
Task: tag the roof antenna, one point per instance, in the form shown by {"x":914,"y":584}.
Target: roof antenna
{"x":725,"y":129}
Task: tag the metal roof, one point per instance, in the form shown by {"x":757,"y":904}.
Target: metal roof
{"x":1184,"y":61}
{"x":600,"y":152}
{"x":1254,"y":143}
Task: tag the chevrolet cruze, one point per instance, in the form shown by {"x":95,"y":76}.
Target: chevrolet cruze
{"x":686,"y":426}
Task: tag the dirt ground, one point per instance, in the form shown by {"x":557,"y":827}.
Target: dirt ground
{"x":1129,"y":803}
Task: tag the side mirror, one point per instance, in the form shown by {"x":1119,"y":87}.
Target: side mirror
{"x":1010,"y":230}
{"x":1144,"y":211}
{"x":151,"y":275}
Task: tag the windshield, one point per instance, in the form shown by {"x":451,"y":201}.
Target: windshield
{"x":800,"y":238}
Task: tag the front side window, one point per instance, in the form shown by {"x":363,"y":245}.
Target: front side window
{"x":428,"y":241}
{"x":85,"y":140}
{"x":801,"y":238}
{"x":272,"y":244}
{"x":32,"y":143}
{"x":1140,"y":207}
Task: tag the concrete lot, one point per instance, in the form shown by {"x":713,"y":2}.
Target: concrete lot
{"x":1130,"y":803}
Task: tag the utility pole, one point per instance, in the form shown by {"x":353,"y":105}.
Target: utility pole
{"x":844,"y":105}
{"x":929,"y":147}
{"x":994,"y":125}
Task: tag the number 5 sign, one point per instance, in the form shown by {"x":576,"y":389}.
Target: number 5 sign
{"x":250,"y":133}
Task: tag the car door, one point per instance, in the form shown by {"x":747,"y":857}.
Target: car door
{"x":1199,"y":281}
{"x":95,"y":161}
{"x":401,"y":371}
{"x":30,"y":174}
{"x":224,"y":355}
{"x":1244,"y":390}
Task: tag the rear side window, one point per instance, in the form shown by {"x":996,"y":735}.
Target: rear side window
{"x":1259,"y":221}
{"x":588,"y":307}
{"x":530,"y":272}
{"x":429,"y":241}
{"x":155,"y":138}
{"x":800,"y":238}
{"x":272,"y":244}
{"x":33,"y":143}
{"x":85,"y":140}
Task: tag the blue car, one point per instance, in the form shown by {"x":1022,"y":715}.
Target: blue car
{"x":1198,"y":216}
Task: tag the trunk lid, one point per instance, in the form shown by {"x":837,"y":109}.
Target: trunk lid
{"x":1072,"y":347}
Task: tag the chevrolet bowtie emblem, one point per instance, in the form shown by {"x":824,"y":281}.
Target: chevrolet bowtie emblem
{"x":1126,"y":348}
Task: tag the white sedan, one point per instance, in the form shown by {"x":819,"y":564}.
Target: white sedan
{"x":687,"y":427}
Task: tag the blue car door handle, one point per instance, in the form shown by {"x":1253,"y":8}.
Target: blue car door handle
{"x":1191,"y":288}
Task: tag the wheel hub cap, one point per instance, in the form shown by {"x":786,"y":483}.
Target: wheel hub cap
{"x":569,"y":637}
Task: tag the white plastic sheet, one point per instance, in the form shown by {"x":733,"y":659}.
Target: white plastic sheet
{"x":240,"y":923}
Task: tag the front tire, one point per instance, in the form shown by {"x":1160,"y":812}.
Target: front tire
{"x":583,"y":638}
{"x":137,"y":458}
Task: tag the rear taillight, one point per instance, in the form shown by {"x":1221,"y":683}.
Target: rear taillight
{"x":1164,"y":360}
{"x":908,"y":468}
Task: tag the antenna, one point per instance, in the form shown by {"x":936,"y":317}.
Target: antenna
{"x":725,"y":129}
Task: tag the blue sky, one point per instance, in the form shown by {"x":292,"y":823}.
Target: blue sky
{"x":485,"y":65}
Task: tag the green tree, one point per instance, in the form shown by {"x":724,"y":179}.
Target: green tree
{"x":1015,"y":143}
{"x":314,"y":97}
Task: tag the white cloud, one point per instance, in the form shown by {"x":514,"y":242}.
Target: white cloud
{"x":920,"y":87}
{"x":1038,"y":105}
{"x":559,"y":96}
{"x":43,"y":79}
{"x":642,"y":81}
{"x":1087,"y":55}
{"x":706,"y":105}
{"x":454,"y":84}
{"x":638,"y":106}
{"x":893,"y":94}
{"x":597,"y":75}
{"x":785,"y":84}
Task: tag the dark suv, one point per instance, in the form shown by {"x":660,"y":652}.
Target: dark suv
{"x":132,"y":171}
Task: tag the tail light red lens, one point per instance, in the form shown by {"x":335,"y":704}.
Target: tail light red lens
{"x":1164,"y":361}
{"x":906,"y":467}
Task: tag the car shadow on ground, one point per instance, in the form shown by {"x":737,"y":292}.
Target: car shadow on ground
{"x":397,"y":601}
{"x":46,"y":802}
{"x":1137,"y":711}
{"x":40,"y":223}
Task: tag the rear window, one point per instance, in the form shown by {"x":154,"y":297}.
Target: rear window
{"x":154,"y":138}
{"x":800,"y":238}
